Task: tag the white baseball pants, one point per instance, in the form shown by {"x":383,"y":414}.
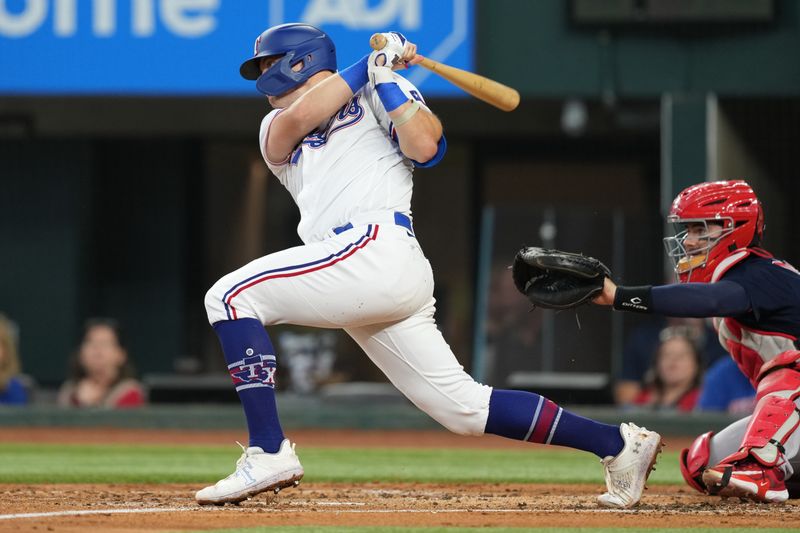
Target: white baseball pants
{"x":374,"y":282}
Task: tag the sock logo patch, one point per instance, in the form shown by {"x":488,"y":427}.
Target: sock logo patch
{"x":255,"y":371}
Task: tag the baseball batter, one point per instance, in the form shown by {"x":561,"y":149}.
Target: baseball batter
{"x":345,"y":144}
{"x":724,"y":273}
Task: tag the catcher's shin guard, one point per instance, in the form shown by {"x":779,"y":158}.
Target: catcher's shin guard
{"x":775,"y":417}
{"x":694,"y":460}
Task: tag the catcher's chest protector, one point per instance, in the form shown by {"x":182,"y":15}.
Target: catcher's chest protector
{"x":750,"y":348}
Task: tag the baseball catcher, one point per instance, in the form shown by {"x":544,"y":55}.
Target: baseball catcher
{"x":724,"y":273}
{"x":553,"y":279}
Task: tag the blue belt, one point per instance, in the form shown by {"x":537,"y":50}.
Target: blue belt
{"x":399,"y":218}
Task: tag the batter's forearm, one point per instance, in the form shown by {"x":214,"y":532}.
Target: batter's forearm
{"x":323,"y":100}
{"x":319,"y":104}
{"x":419,"y":136}
{"x":303,"y":116}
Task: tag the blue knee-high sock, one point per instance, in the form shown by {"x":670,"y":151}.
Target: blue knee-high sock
{"x":527,"y":416}
{"x":251,"y":363}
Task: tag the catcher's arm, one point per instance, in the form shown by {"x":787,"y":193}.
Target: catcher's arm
{"x":607,"y":296}
{"x":699,"y":300}
{"x":636,"y":299}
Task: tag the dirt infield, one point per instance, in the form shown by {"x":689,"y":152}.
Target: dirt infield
{"x":171,"y":507}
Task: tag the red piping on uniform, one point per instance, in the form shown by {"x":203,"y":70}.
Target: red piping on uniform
{"x":293,"y":274}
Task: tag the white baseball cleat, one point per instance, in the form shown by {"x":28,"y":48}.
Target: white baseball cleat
{"x":626,"y":474}
{"x":256,"y":472}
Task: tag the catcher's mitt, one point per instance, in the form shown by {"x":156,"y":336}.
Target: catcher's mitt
{"x":558,"y":280}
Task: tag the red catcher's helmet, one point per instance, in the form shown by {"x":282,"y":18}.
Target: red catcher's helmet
{"x":731,"y":204}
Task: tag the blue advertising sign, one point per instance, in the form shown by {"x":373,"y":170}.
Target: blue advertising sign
{"x":194,"y":47}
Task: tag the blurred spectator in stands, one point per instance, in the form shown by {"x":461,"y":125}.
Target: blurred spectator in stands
{"x":12,"y":388}
{"x":726,"y":389}
{"x":642,"y":343}
{"x":311,"y":356}
{"x":101,"y":374}
{"x":511,"y":329}
{"x":673,"y":382}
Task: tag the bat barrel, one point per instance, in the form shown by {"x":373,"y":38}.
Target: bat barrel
{"x":492,"y":92}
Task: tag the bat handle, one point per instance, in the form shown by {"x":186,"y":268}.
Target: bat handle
{"x":377,"y":41}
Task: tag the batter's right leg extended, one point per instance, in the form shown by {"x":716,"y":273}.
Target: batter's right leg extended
{"x":415,"y":357}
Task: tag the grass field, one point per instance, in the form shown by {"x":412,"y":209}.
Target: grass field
{"x":70,"y":463}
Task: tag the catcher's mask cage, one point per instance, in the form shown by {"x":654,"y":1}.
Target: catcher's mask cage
{"x":685,"y":261}
{"x":293,"y":44}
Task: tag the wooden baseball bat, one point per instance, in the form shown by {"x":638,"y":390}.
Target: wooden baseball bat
{"x":493,"y":93}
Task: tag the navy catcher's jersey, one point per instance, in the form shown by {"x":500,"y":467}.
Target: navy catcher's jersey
{"x":773,"y":287}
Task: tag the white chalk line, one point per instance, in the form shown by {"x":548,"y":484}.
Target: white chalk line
{"x":98,"y":511}
{"x":328,"y":504}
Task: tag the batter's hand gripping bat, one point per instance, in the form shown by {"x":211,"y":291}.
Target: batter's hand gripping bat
{"x":493,"y":93}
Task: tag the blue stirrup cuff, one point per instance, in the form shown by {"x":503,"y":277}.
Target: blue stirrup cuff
{"x":356,"y":74}
{"x":391,"y":95}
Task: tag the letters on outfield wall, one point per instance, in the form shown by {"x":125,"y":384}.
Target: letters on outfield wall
{"x":196,"y":46}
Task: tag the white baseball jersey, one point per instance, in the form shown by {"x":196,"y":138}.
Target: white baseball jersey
{"x":368,"y":277}
{"x":351,"y":166}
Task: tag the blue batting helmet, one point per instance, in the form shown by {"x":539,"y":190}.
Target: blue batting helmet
{"x":295,"y":42}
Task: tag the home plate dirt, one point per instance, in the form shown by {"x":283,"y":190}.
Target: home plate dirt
{"x":139,"y":507}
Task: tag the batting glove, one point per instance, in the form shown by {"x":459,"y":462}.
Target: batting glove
{"x":396,"y":48}
{"x":392,"y":56}
{"x":378,"y":68}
